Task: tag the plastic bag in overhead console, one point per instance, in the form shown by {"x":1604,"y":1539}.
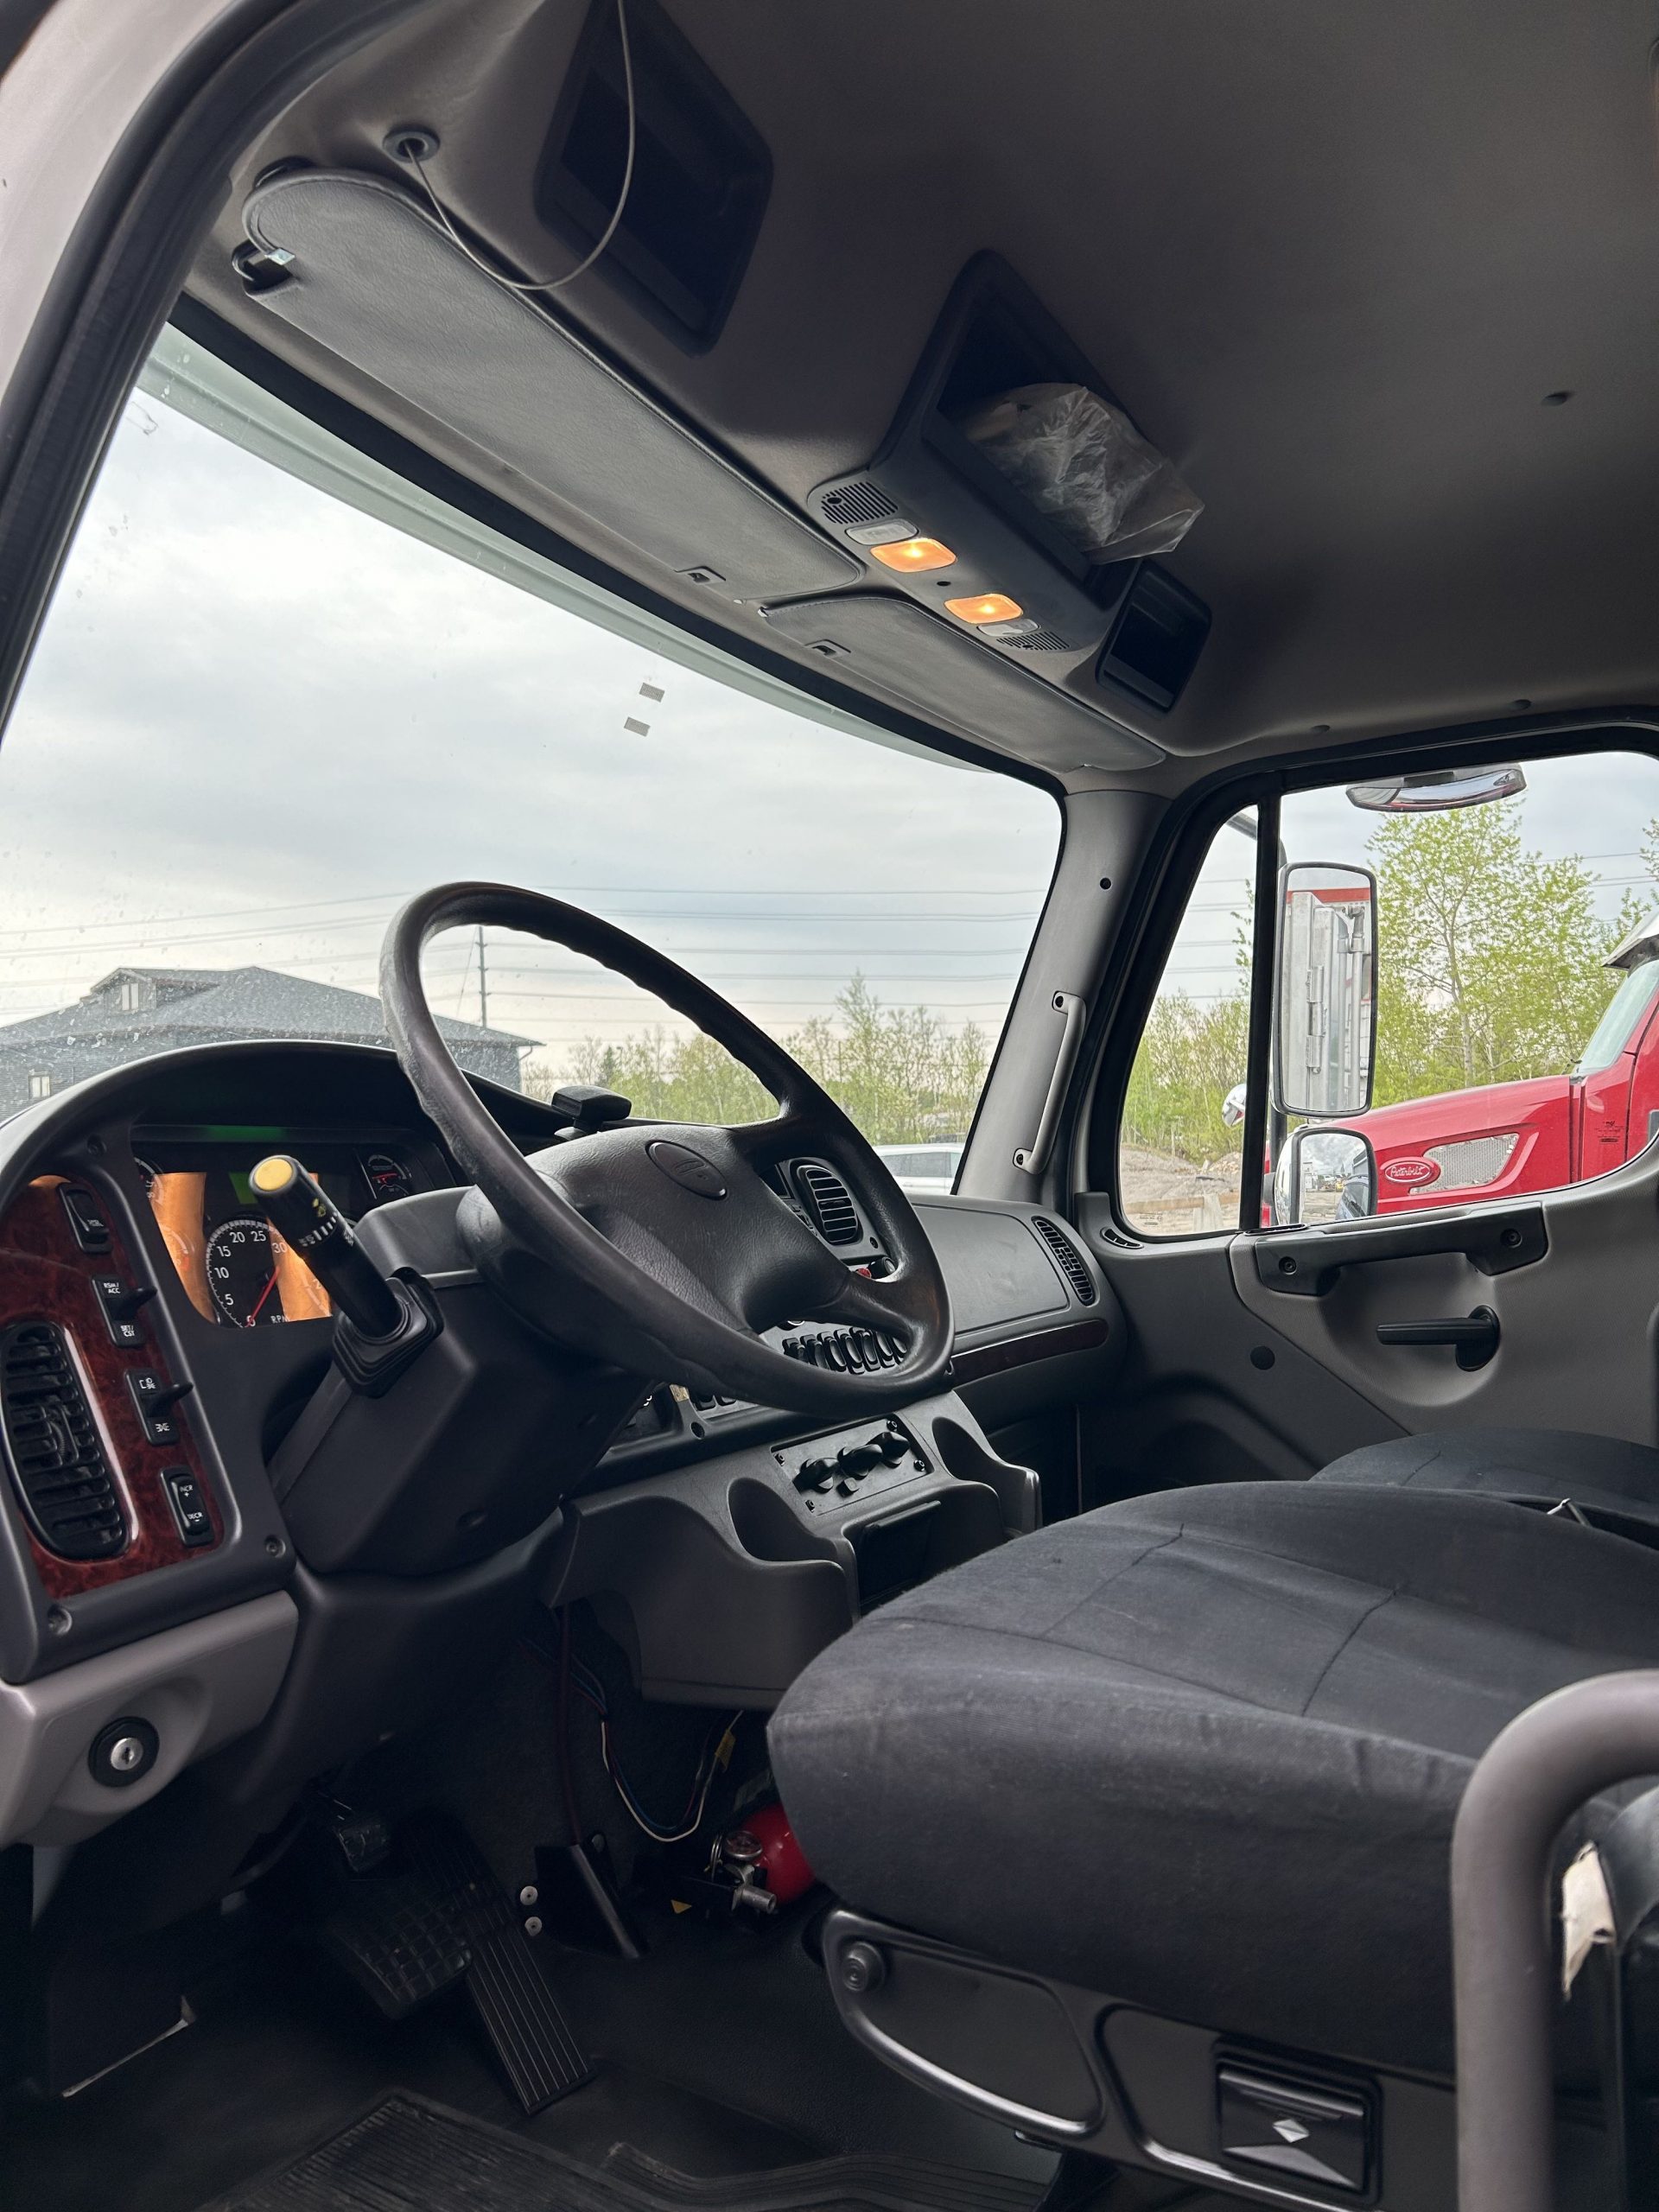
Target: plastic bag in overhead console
{"x":1082,"y":462}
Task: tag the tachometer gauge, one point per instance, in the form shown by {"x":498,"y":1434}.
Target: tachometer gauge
{"x":242,"y":1272}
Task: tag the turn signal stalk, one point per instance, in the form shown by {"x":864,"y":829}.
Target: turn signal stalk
{"x":312,"y":1225}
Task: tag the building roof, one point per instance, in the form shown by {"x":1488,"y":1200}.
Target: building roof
{"x":233,"y":1002}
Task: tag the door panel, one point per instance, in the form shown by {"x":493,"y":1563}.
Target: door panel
{"x":1211,"y":1390}
{"x":1577,"y":1324}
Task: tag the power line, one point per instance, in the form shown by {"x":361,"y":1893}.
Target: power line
{"x":391,"y":901}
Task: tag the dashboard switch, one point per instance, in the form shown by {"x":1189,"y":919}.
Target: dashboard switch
{"x":189,"y":1504}
{"x":86,"y":1218}
{"x":121,"y":1304}
{"x":154,"y":1399}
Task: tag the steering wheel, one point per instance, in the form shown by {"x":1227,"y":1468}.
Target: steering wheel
{"x":661,"y":1246}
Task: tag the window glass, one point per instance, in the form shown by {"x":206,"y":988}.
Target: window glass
{"x":1181,"y":1142}
{"x":1516,"y":975}
{"x":279,"y":689}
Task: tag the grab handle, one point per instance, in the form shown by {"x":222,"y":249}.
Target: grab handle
{"x":1034,"y":1158}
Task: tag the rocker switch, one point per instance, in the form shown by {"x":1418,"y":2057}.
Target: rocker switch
{"x":121,"y":1304}
{"x":153,"y":1399}
{"x":189,"y":1505}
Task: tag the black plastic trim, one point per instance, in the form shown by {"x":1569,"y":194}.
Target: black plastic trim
{"x":1306,"y":1262}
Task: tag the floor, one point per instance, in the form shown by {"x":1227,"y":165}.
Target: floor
{"x":717,"y":2055}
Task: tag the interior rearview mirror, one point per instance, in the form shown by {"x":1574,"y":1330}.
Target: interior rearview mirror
{"x":1437,"y":790}
{"x":1324,"y":1174}
{"x":1324,"y":995}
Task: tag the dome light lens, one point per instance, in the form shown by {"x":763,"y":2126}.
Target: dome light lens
{"x":985,"y":607}
{"x":914,"y":554}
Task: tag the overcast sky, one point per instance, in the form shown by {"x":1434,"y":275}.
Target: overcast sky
{"x":1597,"y":807}
{"x":257,"y":718}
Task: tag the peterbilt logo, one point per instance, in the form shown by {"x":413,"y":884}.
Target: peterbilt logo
{"x":1413,"y":1172}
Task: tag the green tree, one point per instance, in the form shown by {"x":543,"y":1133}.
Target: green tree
{"x":899,"y":1072}
{"x":1190,"y":1057}
{"x":1490,"y":956}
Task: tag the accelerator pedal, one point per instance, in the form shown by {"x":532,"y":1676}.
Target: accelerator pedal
{"x":539,"y":2054}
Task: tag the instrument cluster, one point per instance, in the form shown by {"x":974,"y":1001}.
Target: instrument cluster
{"x":235,"y":1268}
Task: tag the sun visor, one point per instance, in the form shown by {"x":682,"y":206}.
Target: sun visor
{"x":374,"y":280}
{"x":915,"y":656}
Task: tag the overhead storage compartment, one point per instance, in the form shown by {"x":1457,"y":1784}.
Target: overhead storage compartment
{"x":375,"y":280}
{"x":1001,"y":552}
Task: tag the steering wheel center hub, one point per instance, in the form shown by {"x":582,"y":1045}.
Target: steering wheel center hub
{"x":687,"y":1167}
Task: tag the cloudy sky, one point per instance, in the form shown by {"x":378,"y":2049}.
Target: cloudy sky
{"x":257,"y":718}
{"x":1597,"y":807}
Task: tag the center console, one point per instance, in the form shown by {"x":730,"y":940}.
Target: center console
{"x":722,"y":1578}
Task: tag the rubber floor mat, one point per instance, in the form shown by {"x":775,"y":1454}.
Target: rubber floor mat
{"x":409,"y":2154}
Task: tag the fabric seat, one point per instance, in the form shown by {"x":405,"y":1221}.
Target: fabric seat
{"x":1600,"y":1474}
{"x":1203,"y":1750}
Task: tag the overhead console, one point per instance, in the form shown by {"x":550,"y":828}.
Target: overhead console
{"x":990,"y":607}
{"x":933,"y":575}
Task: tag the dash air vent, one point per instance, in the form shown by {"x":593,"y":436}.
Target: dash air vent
{"x":67,"y":1489}
{"x":1066,"y":1258}
{"x":830,"y":1203}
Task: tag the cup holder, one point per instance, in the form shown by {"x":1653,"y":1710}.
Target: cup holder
{"x":1019,"y":1489}
{"x":767,"y":1527}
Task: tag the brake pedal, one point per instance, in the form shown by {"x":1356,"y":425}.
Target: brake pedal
{"x":539,"y":2054}
{"x":397,"y":1943}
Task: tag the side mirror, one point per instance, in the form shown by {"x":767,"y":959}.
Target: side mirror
{"x":1324,"y":1174}
{"x":1324,"y":993}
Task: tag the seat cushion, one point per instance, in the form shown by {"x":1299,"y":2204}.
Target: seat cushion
{"x":1203,"y":1750}
{"x":1603,"y":1474}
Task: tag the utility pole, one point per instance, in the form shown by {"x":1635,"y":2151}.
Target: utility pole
{"x":483,"y":985}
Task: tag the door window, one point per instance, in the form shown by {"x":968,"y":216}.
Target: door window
{"x":1180,"y":1145}
{"x":1517,"y":977}
{"x":1510,"y":979}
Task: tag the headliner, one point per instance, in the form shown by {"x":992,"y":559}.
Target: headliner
{"x":1332,"y":258}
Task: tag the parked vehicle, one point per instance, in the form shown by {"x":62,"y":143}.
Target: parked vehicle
{"x":926,"y":1168}
{"x":1503,"y":1138}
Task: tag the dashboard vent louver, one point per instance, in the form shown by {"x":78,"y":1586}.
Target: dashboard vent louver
{"x":1067,"y":1258}
{"x":830,"y":1203}
{"x":66,"y":1488}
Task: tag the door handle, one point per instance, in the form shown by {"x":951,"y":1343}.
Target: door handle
{"x":1475,"y":1338}
{"x":1034,"y":1158}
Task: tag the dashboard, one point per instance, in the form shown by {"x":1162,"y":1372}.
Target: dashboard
{"x":186,"y":1470}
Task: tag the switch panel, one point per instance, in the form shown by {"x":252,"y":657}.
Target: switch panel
{"x":838,"y":1469}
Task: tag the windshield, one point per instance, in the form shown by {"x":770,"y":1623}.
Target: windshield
{"x":280,"y":689}
{"x":1626,"y":1010}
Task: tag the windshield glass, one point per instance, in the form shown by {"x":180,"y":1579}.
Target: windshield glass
{"x":1626,"y":1009}
{"x":280,"y":689}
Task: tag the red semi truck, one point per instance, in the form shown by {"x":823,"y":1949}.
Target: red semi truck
{"x":1507,"y":1138}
